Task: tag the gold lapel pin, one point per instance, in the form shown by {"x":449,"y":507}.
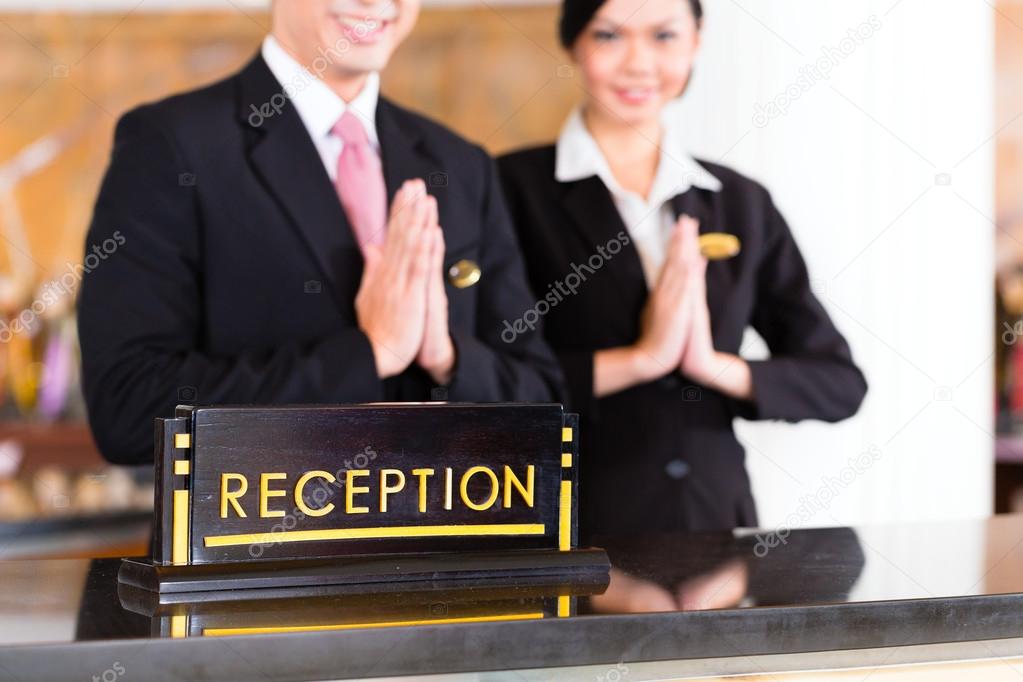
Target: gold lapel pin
{"x":464,"y":274}
{"x":719,"y":246}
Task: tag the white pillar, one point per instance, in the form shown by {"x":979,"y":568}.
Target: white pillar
{"x":885,"y":171}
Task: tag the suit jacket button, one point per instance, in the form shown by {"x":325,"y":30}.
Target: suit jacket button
{"x":677,"y":469}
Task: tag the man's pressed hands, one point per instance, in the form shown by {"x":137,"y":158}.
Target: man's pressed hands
{"x":401,"y":306}
{"x":437,"y":352}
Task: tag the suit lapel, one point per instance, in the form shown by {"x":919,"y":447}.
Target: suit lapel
{"x":405,"y":153}
{"x":285,"y":158}
{"x":399,"y":150}
{"x":596,"y":218}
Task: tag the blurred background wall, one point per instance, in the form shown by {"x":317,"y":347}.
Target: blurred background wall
{"x":885,"y":169}
{"x":874,"y":124}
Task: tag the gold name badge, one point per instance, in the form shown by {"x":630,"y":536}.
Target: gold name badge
{"x":464,"y":274}
{"x":719,"y":246}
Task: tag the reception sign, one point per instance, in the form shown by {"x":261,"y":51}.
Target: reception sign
{"x":251,"y":484}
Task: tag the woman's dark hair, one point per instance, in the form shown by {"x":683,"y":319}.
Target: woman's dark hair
{"x":576,"y":14}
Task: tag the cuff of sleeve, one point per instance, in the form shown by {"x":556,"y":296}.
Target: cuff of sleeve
{"x":578,"y":371}
{"x":472,"y":379}
{"x":765,"y":375}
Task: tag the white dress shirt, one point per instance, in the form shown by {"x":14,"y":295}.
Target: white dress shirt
{"x":649,"y":221}
{"x":318,"y":106}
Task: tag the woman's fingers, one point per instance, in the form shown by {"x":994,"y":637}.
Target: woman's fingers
{"x":670,"y":276}
{"x":690,"y":248}
{"x":372,"y":256}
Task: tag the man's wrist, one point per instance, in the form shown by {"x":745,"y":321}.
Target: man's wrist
{"x":388,"y":364}
{"x":441,"y":366}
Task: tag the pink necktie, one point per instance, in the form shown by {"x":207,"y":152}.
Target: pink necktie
{"x":360,"y":182}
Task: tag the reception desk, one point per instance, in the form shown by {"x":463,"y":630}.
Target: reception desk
{"x":675,"y":606}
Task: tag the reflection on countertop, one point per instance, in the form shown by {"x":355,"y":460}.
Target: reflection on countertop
{"x":79,"y":599}
{"x":674,"y":597}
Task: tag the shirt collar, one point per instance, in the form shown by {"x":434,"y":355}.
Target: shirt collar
{"x":318,"y":106}
{"x":578,"y":156}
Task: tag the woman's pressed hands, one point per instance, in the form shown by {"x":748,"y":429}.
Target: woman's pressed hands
{"x":676,"y":332}
{"x":392,"y":301}
{"x":701,"y":363}
{"x":698,"y":360}
{"x":667,"y":317}
{"x":665,"y":323}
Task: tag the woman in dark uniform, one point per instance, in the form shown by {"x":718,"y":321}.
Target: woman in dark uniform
{"x":647,"y":331}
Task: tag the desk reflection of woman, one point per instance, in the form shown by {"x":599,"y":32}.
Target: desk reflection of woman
{"x":649,"y":341}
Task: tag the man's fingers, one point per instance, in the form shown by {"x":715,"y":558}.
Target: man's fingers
{"x":395,"y":224}
{"x":404,"y":202}
{"x":432,"y":212}
{"x":372,"y":254}
{"x":438,"y":259}
{"x":410,"y":244}
{"x":419,"y":269}
{"x":402,"y":198}
{"x":435,"y":274}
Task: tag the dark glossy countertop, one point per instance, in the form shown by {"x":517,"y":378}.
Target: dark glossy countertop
{"x":671,"y":597}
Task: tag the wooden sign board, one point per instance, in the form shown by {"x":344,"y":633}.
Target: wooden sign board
{"x":244,"y":487}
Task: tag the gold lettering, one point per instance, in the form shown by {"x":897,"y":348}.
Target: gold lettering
{"x":300,"y":497}
{"x":351,"y":489}
{"x":447,"y":488}
{"x":511,"y":479}
{"x":232,"y":495}
{"x":464,"y":485}
{"x":386,"y":489}
{"x":234,"y":487}
{"x":422,"y":474}
{"x":265,"y":494}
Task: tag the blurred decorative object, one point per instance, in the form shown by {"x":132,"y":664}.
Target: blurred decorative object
{"x":11,"y":457}
{"x":52,"y":481}
{"x":60,"y":368}
{"x":55,"y":493}
{"x":39,"y":368}
{"x":16,"y":502}
{"x":23,"y":371}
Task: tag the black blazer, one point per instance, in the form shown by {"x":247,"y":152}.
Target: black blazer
{"x":663,"y":456}
{"x":236,"y":271}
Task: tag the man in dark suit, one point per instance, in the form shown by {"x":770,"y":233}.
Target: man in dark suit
{"x":288,"y":236}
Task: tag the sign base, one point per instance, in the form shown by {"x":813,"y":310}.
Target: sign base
{"x":378,"y":573}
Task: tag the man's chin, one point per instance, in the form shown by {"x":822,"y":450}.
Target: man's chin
{"x":365,"y":58}
{"x":350,"y":69}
